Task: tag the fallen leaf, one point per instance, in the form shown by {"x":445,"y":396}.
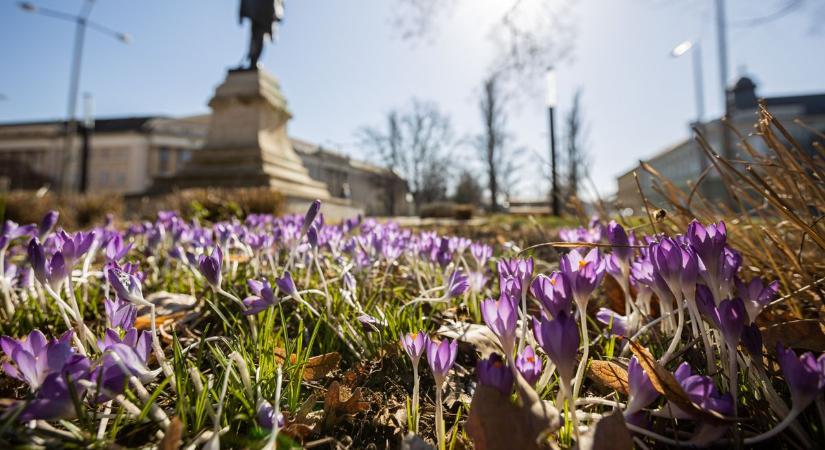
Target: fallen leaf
{"x":608,"y":374}
{"x":665,"y":383}
{"x":609,"y":433}
{"x":614,"y":295}
{"x":316,"y":367}
{"x":145,"y":322}
{"x":340,"y":402}
{"x":169,"y":307}
{"x":299,"y":425}
{"x":804,"y":334}
{"x":496,"y":423}
{"x":172,"y":436}
{"x":480,"y":337}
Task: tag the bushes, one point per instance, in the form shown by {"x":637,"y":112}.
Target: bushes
{"x":446,"y":210}
{"x":76,"y":211}
{"x":80,"y":211}
{"x":213,"y":204}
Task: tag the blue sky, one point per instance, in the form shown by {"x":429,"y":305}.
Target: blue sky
{"x":342,"y":65}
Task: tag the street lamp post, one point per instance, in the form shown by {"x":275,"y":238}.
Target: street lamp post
{"x":81,"y":22}
{"x":552,"y":100}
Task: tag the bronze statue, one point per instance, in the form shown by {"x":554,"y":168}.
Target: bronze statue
{"x":262,"y":14}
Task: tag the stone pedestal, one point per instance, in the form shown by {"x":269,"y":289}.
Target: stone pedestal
{"x":247,"y":143}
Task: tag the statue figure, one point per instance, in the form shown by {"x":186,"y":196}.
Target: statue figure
{"x":262,"y":14}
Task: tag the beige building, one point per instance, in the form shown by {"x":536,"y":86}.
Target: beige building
{"x":684,"y":162}
{"x":126,"y":154}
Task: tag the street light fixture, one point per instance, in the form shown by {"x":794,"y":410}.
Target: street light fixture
{"x":552,"y":101}
{"x":699,"y":90}
{"x":81,"y":22}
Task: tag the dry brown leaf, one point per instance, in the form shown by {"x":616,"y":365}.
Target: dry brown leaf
{"x":145,"y":322}
{"x":614,"y":295}
{"x":172,"y":436}
{"x":609,"y":433}
{"x":608,"y":374}
{"x":804,"y":334}
{"x":316,"y":367}
{"x":341,"y":402}
{"x":483,"y":340}
{"x":665,"y":383}
{"x":495,"y":423}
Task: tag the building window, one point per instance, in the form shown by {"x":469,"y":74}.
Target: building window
{"x":163,"y":160}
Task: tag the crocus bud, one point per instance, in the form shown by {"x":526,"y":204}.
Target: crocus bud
{"x":616,"y":322}
{"x":729,"y":318}
{"x":641,"y":392}
{"x":560,"y":340}
{"x":621,"y":244}
{"x":501,"y":316}
{"x":37,"y":258}
{"x":494,"y":373}
{"x":47,"y":223}
{"x":210,"y":267}
{"x":286,"y":285}
{"x":457,"y":284}
{"x":310,"y":216}
{"x":262,"y":297}
{"x":441,"y":356}
{"x":803,"y":374}
{"x":312,"y":236}
{"x":529,"y":365}
{"x":414,"y":344}
{"x":266,"y":415}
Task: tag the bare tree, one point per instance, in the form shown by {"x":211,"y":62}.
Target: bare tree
{"x":575,"y":143}
{"x":493,"y":143}
{"x":415,"y":143}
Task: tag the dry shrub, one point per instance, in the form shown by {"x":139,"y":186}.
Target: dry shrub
{"x":76,"y":210}
{"x":214,"y":204}
{"x":449,"y":210}
{"x":774,"y":214}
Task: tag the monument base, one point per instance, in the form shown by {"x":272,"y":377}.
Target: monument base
{"x":247,"y":144}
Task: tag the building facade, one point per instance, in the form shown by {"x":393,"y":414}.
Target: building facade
{"x":127,"y":154}
{"x":685,"y":162}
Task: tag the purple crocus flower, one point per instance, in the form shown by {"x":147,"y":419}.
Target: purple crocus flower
{"x":494,"y":373}
{"x":32,"y":359}
{"x":481,"y":253}
{"x":370,"y":323}
{"x":559,"y":338}
{"x":621,"y":244}
{"x":286,"y":284}
{"x":501,"y":317}
{"x":514,"y":275}
{"x":756,"y":295}
{"x":729,"y":317}
{"x":47,"y":223}
{"x":73,"y":246}
{"x":752,"y":341}
{"x":121,"y":313}
{"x":51,"y":271}
{"x":617,"y":323}
{"x":583,"y":274}
{"x":553,"y":292}
{"x":262,"y":297}
{"x":529,"y":365}
{"x":729,"y":265}
{"x":701,"y":390}
{"x":414,"y":344}
{"x":266,"y":415}
{"x":457,"y":284}
{"x":54,"y":398}
{"x":210,"y":267}
{"x":133,"y":351}
{"x":641,"y":392}
{"x":126,"y":285}
{"x":804,"y":375}
{"x":115,"y":249}
{"x":709,"y":243}
{"x":312,"y":236}
{"x":677,"y":265}
{"x":311,"y":214}
{"x":441,"y":357}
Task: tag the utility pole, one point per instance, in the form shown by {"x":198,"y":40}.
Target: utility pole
{"x":722,"y":45}
{"x":552,"y":100}
{"x":81,"y":22}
